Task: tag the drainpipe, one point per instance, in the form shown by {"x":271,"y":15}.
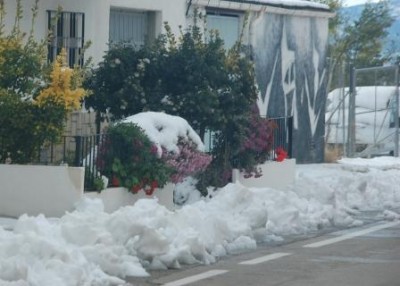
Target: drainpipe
{"x":188,"y":7}
{"x":252,"y":18}
{"x":396,"y":124}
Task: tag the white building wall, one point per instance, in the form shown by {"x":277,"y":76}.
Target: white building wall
{"x":97,"y":13}
{"x":97,"y":16}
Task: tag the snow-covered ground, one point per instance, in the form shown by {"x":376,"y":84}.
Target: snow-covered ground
{"x":91,"y":247}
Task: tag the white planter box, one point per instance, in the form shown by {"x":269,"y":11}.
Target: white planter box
{"x":275,"y":175}
{"x":114,"y":198}
{"x":54,"y":190}
{"x":34,"y":190}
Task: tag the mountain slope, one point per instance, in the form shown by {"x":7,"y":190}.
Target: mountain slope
{"x":392,"y":43}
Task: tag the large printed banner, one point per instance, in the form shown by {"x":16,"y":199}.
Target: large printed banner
{"x":290,"y":56}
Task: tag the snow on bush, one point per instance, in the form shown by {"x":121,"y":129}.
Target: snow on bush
{"x":165,"y":130}
{"x":146,"y":150}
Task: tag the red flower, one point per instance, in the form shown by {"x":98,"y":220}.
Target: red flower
{"x":154,"y":184}
{"x":115,"y":181}
{"x":281,"y":154}
{"x":136,"y":188}
{"x":149,"y":191}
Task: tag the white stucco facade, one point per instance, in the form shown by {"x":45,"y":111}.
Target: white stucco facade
{"x":97,"y":17}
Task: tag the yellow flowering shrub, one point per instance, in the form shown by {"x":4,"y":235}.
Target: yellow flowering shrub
{"x":30,"y":115}
{"x":64,"y":88}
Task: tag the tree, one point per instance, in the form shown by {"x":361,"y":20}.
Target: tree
{"x":116,"y":84}
{"x":193,"y":77}
{"x":21,"y":57}
{"x":359,"y":42}
{"x":64,"y":88}
{"x":368,"y":33}
{"x":26,"y":124}
{"x":238,"y":105}
{"x":182,"y":77}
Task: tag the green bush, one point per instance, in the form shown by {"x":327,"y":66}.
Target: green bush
{"x":186,"y":77}
{"x":24,"y":127}
{"x":193,"y":77}
{"x":130,"y":159}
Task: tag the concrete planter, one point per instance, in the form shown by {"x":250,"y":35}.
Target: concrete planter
{"x":34,"y":190}
{"x":275,"y":175}
{"x":54,"y":190}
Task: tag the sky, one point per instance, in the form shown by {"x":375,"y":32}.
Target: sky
{"x":88,"y":246}
{"x":356,"y":2}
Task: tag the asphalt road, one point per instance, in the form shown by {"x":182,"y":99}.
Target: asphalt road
{"x":364,"y":256}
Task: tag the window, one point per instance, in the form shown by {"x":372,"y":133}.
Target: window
{"x":66,"y":31}
{"x":131,"y":27}
{"x":227,"y":24}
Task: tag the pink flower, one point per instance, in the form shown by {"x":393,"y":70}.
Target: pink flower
{"x":187,"y":162}
{"x":154,"y":149}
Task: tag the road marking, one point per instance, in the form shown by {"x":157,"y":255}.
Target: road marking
{"x":265,"y":258}
{"x":352,"y":259}
{"x":351,"y":235}
{"x":196,"y":278}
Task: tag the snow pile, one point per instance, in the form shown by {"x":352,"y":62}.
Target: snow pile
{"x":353,"y":184}
{"x":165,"y":130}
{"x":91,"y":247}
{"x":185,"y":192}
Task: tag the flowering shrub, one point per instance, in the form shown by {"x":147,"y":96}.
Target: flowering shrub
{"x":256,"y":146}
{"x":129,"y":158}
{"x":24,"y":126}
{"x":247,"y":146}
{"x":62,"y":88}
{"x":187,"y":162}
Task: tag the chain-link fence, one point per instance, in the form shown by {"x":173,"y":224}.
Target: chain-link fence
{"x":361,"y":118}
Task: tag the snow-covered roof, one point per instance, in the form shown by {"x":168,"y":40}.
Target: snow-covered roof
{"x":292,"y":7}
{"x":301,"y":4}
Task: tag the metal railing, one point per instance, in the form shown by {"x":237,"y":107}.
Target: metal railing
{"x":81,"y":151}
{"x":75,"y":151}
{"x":283,"y":135}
